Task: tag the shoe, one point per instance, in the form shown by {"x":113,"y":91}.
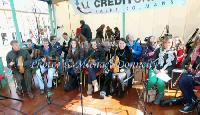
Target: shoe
{"x":158,"y":98}
{"x":188,"y":108}
{"x":96,"y":86}
{"x":90,"y":89}
{"x":102,"y":94}
{"x":173,"y":101}
{"x":30,"y":95}
{"x":41,"y":92}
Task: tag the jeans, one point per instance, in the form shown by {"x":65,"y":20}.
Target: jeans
{"x":92,"y":74}
{"x":42,"y":70}
{"x":186,"y":85}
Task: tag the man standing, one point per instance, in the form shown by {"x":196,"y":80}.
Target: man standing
{"x":86,"y":31}
{"x":99,"y":34}
{"x":12,"y":59}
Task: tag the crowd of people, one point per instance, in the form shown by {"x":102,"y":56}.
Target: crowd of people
{"x":168,"y":53}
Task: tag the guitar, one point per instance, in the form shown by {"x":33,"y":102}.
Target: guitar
{"x":20,"y":64}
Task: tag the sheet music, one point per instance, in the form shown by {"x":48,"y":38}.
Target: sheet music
{"x":163,"y":76}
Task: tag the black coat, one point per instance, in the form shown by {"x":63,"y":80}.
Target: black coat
{"x":86,"y":31}
{"x":13,"y":56}
{"x":98,"y":54}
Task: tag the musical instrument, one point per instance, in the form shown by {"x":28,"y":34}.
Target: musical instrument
{"x":189,"y":70}
{"x":20,"y":64}
{"x":35,"y":53}
{"x":177,"y":80}
{"x":51,"y":62}
{"x":115,"y":64}
{"x":91,"y":60}
{"x":188,"y":44}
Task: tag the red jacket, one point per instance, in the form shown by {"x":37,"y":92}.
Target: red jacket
{"x":180,"y":57}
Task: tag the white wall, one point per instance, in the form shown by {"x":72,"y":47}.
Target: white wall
{"x":182,"y":20}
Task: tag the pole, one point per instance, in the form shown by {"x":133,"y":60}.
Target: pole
{"x":51,"y":18}
{"x":19,"y":39}
{"x":123,"y":25}
{"x":54,"y":18}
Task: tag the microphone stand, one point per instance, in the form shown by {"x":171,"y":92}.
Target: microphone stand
{"x":5,"y":97}
{"x":146,"y":86}
{"x":81,"y":80}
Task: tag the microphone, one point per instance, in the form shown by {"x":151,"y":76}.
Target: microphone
{"x":167,"y":29}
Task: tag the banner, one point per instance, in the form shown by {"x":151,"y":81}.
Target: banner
{"x":110,"y":6}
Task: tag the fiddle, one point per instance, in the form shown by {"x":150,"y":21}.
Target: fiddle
{"x":115,"y":63}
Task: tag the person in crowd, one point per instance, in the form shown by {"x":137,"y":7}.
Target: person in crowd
{"x":73,"y":59}
{"x":86,"y":31}
{"x":21,"y":72}
{"x":109,"y":33}
{"x":49,"y":57}
{"x":99,"y":32}
{"x":116,"y":34}
{"x":83,"y":43}
{"x":149,"y":49}
{"x":95,"y":55}
{"x":165,"y":59}
{"x":125,"y":56}
{"x":178,"y":45}
{"x":65,"y":44}
{"x":191,"y":78}
{"x":55,"y":44}
{"x":134,"y":45}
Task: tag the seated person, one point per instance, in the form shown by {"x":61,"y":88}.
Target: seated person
{"x":125,"y":56}
{"x":56,"y":45}
{"x":65,"y":44}
{"x":166,"y":61}
{"x":73,"y":58}
{"x":193,"y":59}
{"x":12,"y":59}
{"x":96,"y":55}
{"x":149,"y":48}
{"x":179,"y":51}
{"x":134,"y":45}
{"x":48,"y":54}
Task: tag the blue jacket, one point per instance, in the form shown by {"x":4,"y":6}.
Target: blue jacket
{"x":136,"y":49}
{"x":58,"y":47}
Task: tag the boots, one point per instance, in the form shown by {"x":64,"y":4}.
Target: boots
{"x":96,"y":86}
{"x":158,"y":98}
{"x":90,"y":89}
